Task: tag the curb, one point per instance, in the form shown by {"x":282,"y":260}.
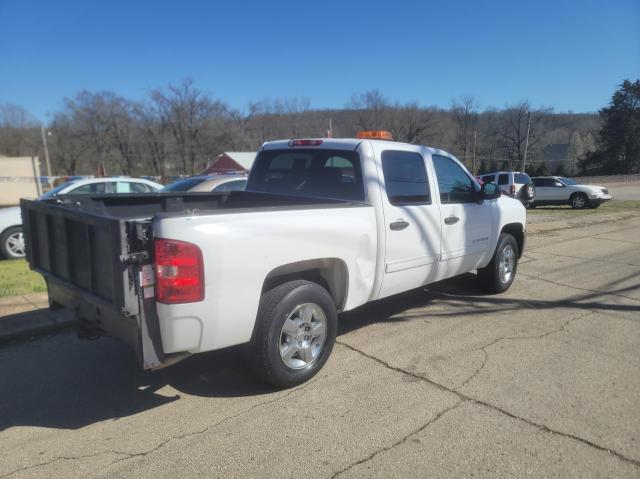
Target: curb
{"x":35,"y":323}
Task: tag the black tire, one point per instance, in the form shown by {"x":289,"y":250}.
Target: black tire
{"x":579,"y":201}
{"x":489,"y":277}
{"x":262,"y":353}
{"x":5,"y":248}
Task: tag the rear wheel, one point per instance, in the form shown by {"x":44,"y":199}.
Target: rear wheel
{"x":579,"y":201}
{"x":294,"y":333}
{"x":12,"y":243}
{"x":499,"y":274}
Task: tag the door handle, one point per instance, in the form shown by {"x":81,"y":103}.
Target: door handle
{"x":450,"y":220}
{"x":398,"y":225}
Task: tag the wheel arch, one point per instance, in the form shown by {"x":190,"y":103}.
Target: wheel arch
{"x":330,"y":273}
{"x":517,"y":231}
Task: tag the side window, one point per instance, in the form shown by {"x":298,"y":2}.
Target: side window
{"x":503,"y":179}
{"x":454,"y":184}
{"x":123,"y":187}
{"x":90,"y":189}
{"x":557,"y":183}
{"x":538,"y":181}
{"x":489,"y":179}
{"x":405,"y":177}
{"x":231,"y":186}
{"x":139,"y":188}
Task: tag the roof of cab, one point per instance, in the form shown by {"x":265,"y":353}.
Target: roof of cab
{"x":348,"y":144}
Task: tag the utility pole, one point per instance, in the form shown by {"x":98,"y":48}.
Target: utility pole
{"x":473,"y":168}
{"x":46,"y":153}
{"x":526,"y":142}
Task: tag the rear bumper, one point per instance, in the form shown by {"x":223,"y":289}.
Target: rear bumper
{"x":95,"y":313}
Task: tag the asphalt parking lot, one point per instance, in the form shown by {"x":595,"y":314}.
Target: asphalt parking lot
{"x":445,"y":382}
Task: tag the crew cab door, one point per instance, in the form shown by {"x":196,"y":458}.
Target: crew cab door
{"x":466,"y":224}
{"x":411,"y":218}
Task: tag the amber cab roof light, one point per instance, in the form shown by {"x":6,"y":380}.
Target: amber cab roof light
{"x":375,"y":135}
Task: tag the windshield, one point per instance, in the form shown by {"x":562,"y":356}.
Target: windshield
{"x":183,"y":185}
{"x":308,"y":172}
{"x":568,"y":181}
{"x":54,"y":191}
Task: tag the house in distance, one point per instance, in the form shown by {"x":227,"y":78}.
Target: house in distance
{"x":231,"y":161}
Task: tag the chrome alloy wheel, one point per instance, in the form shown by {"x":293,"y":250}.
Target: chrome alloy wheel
{"x":578,"y":202}
{"x":303,"y":336}
{"x":507,"y":264}
{"x":15,"y":244}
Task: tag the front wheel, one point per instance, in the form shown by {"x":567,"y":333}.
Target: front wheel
{"x":499,"y":274}
{"x":294,"y":333}
{"x":579,"y":201}
{"x":12,"y":243}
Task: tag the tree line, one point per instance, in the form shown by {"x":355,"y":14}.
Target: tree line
{"x":179,"y":130}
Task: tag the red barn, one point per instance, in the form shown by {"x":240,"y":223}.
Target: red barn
{"x":231,"y":161}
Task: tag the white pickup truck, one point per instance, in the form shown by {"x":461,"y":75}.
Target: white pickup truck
{"x":326,"y":225}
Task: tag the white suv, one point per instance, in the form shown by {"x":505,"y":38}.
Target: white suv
{"x":512,"y":183}
{"x":558,"y":190}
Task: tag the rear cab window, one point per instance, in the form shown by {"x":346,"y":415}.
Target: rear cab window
{"x":405,"y":178}
{"x":320,"y":173}
{"x":521,"y":179}
{"x":503,"y":179}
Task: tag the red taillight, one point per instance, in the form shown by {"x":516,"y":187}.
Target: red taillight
{"x":513,"y":189}
{"x":179,"y":272}
{"x":305,"y":142}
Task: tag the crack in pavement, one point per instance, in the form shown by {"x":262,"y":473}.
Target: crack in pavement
{"x":600,"y":293}
{"x":60,"y":458}
{"x":574,"y":238}
{"x":583,"y":259}
{"x":515,"y":338}
{"x":400,"y":441}
{"x":212,"y":426}
{"x":492,"y":407}
{"x":130,"y":455}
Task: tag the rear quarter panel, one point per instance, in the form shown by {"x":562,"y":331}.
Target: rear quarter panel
{"x":241,"y":249}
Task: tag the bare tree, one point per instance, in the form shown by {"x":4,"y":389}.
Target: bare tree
{"x":465,"y":114}
{"x":372,"y":108}
{"x":195,"y":122}
{"x":410,"y":123}
{"x":19,"y":131}
{"x":511,"y":129}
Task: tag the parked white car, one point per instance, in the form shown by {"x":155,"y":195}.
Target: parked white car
{"x":558,"y":190}
{"x":11,"y":235}
{"x":512,"y":183}
{"x":208,"y":183}
{"x":325,"y":225}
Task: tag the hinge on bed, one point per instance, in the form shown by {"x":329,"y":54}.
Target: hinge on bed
{"x":134,"y":258}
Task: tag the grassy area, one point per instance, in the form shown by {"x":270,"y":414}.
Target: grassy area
{"x":613,"y":206}
{"x":16,"y":278}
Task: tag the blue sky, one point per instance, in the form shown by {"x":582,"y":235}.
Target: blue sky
{"x":566,"y":54}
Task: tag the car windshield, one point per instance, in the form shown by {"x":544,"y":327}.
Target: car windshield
{"x":568,"y":181}
{"x":183,"y":185}
{"x":54,"y":191}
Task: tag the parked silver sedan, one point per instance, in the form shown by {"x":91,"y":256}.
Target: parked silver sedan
{"x":215,"y":183}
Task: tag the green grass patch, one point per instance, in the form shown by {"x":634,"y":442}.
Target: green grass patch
{"x":613,"y":206}
{"x":16,"y":278}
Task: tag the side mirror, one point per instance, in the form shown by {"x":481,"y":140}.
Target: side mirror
{"x":490,"y":191}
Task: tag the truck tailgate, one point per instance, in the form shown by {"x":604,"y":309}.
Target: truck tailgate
{"x":98,"y":266}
